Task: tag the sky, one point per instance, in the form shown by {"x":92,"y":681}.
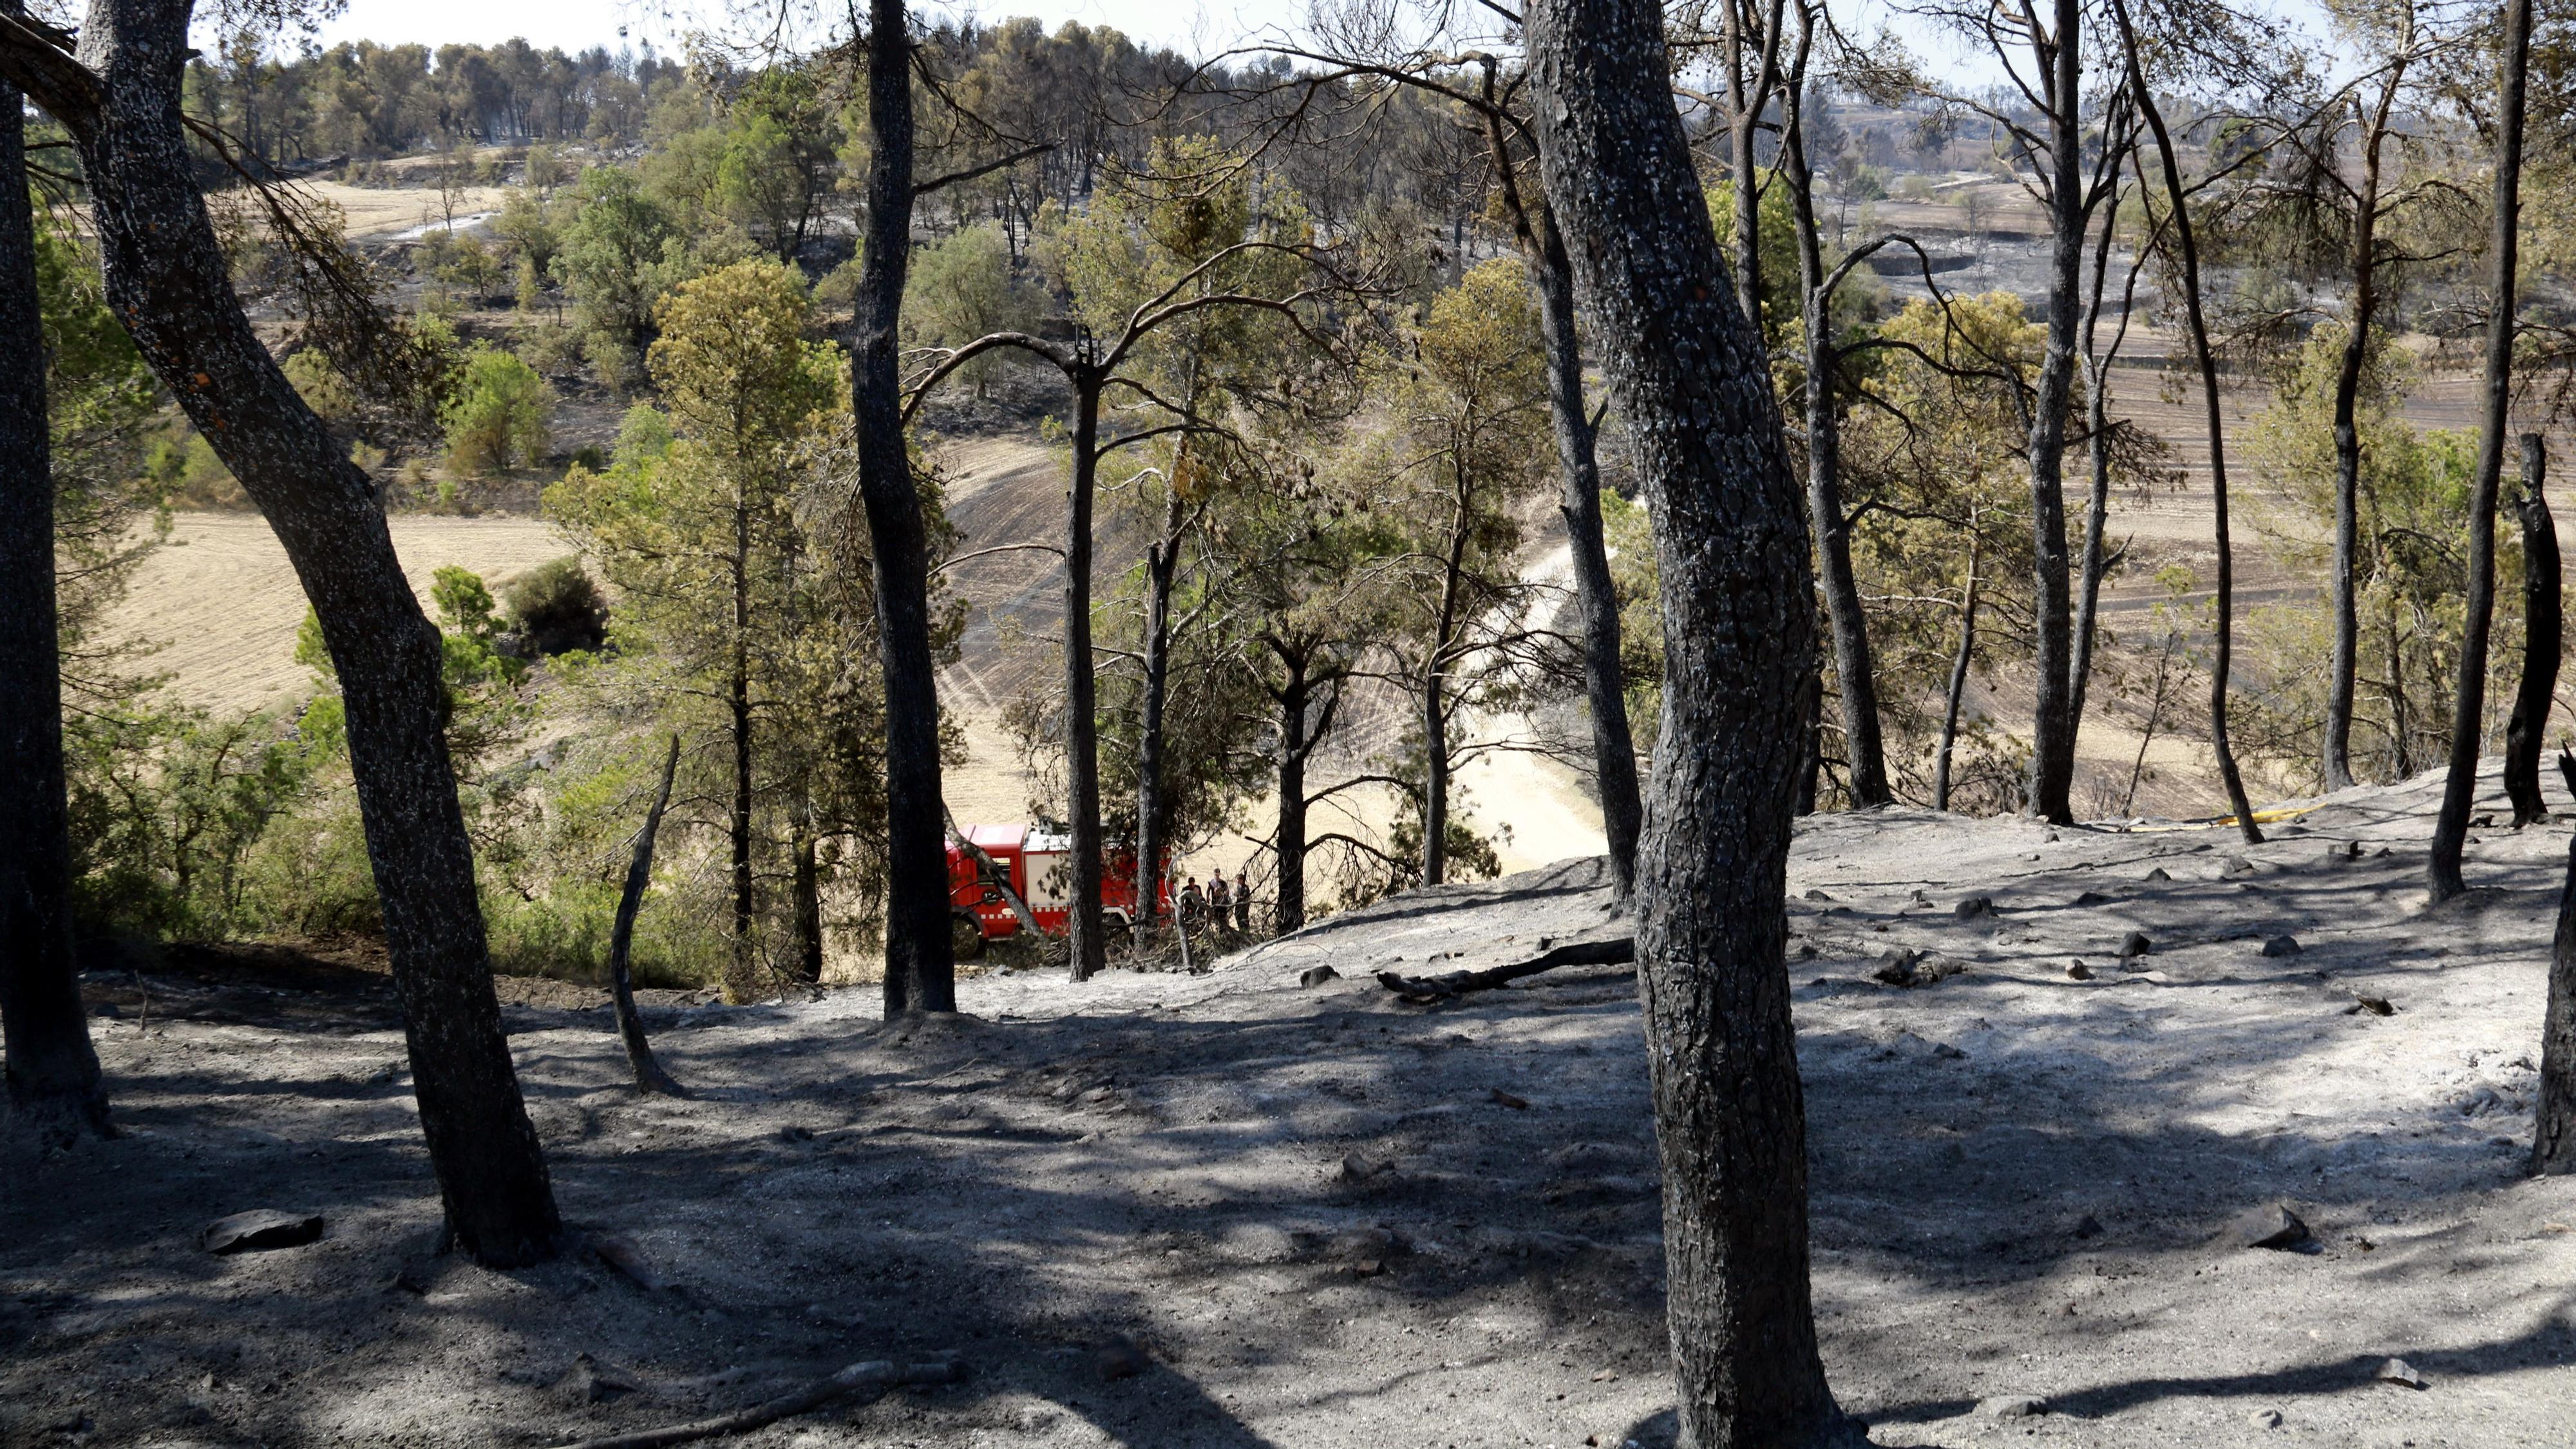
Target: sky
{"x":1197,"y":28}
{"x":1193,"y":26}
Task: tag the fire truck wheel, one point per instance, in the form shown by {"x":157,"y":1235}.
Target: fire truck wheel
{"x":965,"y":936}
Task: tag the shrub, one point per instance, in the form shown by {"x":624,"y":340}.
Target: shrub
{"x":556,"y":608}
{"x":183,"y":469}
{"x":611,"y":361}
{"x":169,"y":806}
{"x":552,"y":348}
{"x":498,"y":414}
{"x":308,"y":874}
{"x":323,"y":388}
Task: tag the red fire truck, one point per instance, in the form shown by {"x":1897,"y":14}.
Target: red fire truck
{"x":1034,"y":862}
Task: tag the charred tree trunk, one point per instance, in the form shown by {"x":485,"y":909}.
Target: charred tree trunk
{"x":920,"y":965}
{"x":55,"y":1091}
{"x":2214,"y":418}
{"x":1081,"y":726}
{"x":741,"y":975}
{"x":166,"y":277}
{"x":2097,"y":434}
{"x":1435,"y":699}
{"x":2401,"y":728}
{"x":2344,"y":662}
{"x":2052,"y":753}
{"x":1957,"y":697}
{"x":1435,"y":779}
{"x":1162,"y":561}
{"x":1687,"y":368}
{"x":1300,"y":729}
{"x":1855,"y":671}
{"x":2553,"y":1142}
{"x":2468,"y":715}
{"x":1290,"y":912}
{"x":805,"y":887}
{"x":1751,"y":59}
{"x":649,"y":1076}
{"x":1605,"y":685}
{"x":2543,"y":639}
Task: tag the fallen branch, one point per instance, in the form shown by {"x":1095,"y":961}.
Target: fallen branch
{"x":858,"y":1377}
{"x":1423,"y":990}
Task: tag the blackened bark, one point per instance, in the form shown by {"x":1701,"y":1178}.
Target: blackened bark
{"x":1596,"y":600}
{"x":167,"y":279}
{"x":1290,"y":841}
{"x":2052,"y":754}
{"x":1081,"y":724}
{"x":1605,"y":684}
{"x":2097,"y":425}
{"x":1855,"y":671}
{"x":1687,"y":367}
{"x":2468,"y":715}
{"x":1752,"y":30}
{"x":805,"y":892}
{"x":2553,"y":1142}
{"x":2343,"y":665}
{"x":1435,"y":701}
{"x":2195,"y":318}
{"x":920,"y":967}
{"x":1435,"y":781}
{"x":2543,"y":639}
{"x":741,"y":982}
{"x":1162,"y":561}
{"x":649,"y":1076}
{"x":1956,"y":698}
{"x":2401,"y":729}
{"x":55,"y":1091}
{"x":1448,"y":986}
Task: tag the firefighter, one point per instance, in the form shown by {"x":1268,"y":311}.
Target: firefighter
{"x":1191,"y":903}
{"x":1242,"y":903}
{"x":1216,"y":896}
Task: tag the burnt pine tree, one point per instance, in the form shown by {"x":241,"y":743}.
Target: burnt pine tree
{"x":1686,"y":367}
{"x":54,"y":1085}
{"x":920,"y":961}
{"x":1097,"y":365}
{"x":2120,"y":131}
{"x":2451,"y":828}
{"x":1577,"y":434}
{"x":2553,"y":1140}
{"x":2053,"y":133}
{"x":2205,"y":357}
{"x":1494,"y":101}
{"x":2543,"y":640}
{"x":1855,"y":671}
{"x":167,"y":280}
{"x":2370,"y":201}
{"x":2070,"y":203}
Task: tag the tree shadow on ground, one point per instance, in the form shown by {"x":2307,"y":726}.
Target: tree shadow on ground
{"x":1269,"y":1191}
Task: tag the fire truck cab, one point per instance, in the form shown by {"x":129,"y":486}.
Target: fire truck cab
{"x":1036,"y":863}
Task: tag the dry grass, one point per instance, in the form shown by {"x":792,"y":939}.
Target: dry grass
{"x":223,"y":605}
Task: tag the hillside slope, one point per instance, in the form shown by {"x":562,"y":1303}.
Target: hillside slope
{"x":1325,"y":1218}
